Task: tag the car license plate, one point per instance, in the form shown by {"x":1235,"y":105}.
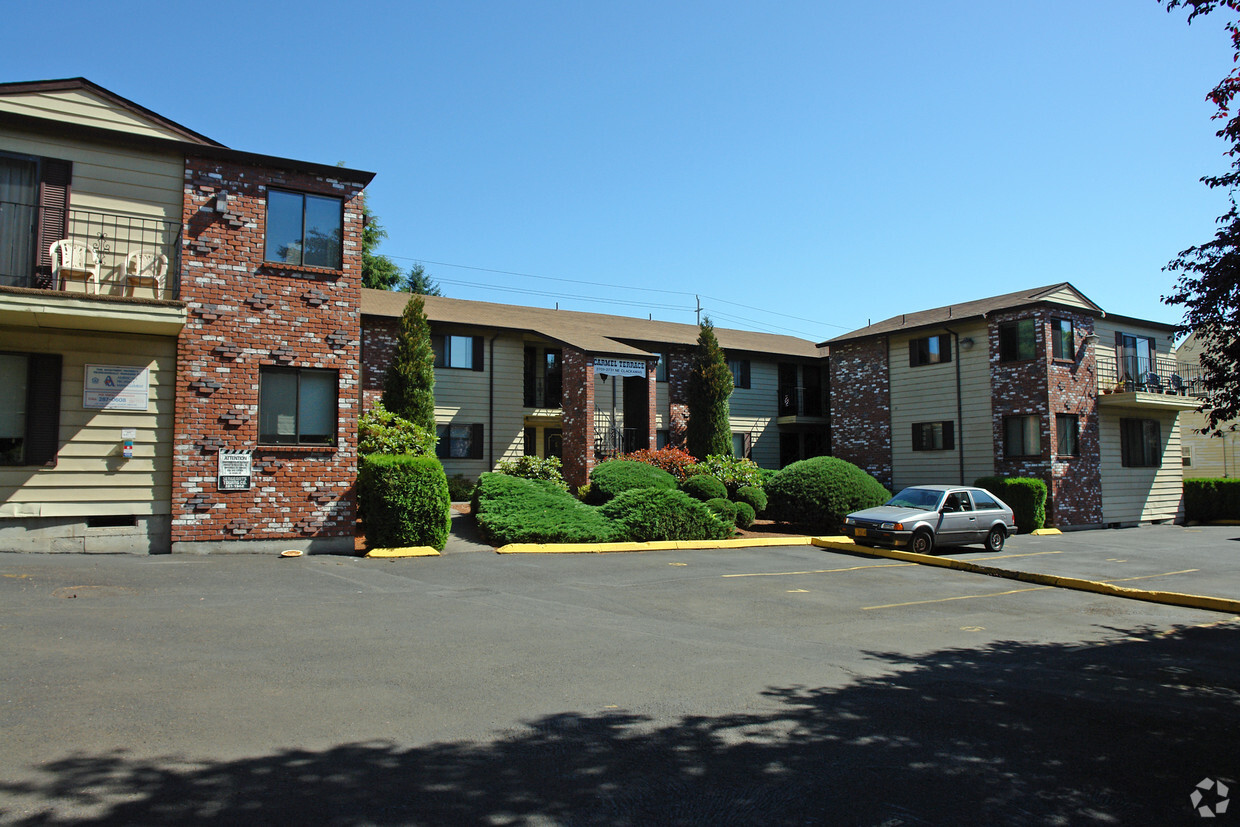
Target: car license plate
{"x":861,"y":532}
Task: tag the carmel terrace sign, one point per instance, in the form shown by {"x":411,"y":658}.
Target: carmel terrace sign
{"x":620,"y":367}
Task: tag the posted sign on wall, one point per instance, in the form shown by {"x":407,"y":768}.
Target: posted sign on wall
{"x":116,"y":387}
{"x":236,"y":468}
{"x":620,"y":367}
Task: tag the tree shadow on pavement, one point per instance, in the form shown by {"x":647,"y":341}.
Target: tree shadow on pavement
{"x":1010,"y":733}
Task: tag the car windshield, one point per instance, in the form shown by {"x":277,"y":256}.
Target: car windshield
{"x":926,"y":499}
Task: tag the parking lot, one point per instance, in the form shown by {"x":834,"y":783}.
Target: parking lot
{"x":772,"y":685}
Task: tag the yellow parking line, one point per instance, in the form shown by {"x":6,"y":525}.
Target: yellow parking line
{"x":1011,"y":556}
{"x":1148,"y":576}
{"x":819,"y":571}
{"x":949,"y":599}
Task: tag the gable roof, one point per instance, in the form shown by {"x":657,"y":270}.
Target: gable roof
{"x":170,"y":128}
{"x":1063,"y":294}
{"x":596,"y":333}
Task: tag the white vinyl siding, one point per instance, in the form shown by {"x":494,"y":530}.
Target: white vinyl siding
{"x":91,"y":478}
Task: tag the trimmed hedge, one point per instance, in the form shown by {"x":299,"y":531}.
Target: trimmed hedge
{"x":405,"y":500}
{"x":616,"y":476}
{"x":821,"y":491}
{"x":534,"y":468}
{"x":753,"y":496}
{"x":733,"y":472}
{"x":1026,"y":495}
{"x":1211,"y":499}
{"x":704,"y":488}
{"x":724,"y":509}
{"x":647,"y":514}
{"x":744,"y":514}
{"x":516,"y":510}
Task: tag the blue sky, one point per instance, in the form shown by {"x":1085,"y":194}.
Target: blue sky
{"x":803,"y":167}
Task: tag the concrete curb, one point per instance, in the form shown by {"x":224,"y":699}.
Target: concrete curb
{"x":1191,"y":601}
{"x":664,"y":545}
{"x":410,"y":551}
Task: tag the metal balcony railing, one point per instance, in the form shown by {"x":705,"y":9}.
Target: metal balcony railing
{"x":124,"y":250}
{"x":1161,"y":374}
{"x":539,"y":393}
{"x":796,"y":401}
{"x":611,"y":438}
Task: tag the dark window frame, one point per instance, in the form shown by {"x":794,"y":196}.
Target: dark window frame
{"x":441,"y":344}
{"x":927,"y":434}
{"x":1012,"y":342}
{"x":1063,"y":341}
{"x":41,"y":438}
{"x":930,"y":350}
{"x":331,"y":440}
{"x":1140,"y":443}
{"x":443,"y":443}
{"x":1022,"y":450}
{"x":741,"y":375}
{"x":1072,"y":422}
{"x":336,"y":265}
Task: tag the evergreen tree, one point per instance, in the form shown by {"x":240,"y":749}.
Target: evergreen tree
{"x":409,"y":385}
{"x":710,"y":384}
{"x":419,"y":282}
{"x":378,"y":271}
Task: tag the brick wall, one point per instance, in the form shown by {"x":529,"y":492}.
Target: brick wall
{"x":578,"y":417}
{"x":860,"y":394}
{"x":244,"y":315}
{"x":679,"y":364}
{"x":379,"y":337}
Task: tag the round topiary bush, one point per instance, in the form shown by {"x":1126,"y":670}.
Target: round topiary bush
{"x":753,"y":496}
{"x":744,"y":514}
{"x":724,"y":509}
{"x":619,"y":475}
{"x":819,"y":492}
{"x":646,"y":514}
{"x":704,"y":488}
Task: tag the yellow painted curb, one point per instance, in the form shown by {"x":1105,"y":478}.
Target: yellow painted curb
{"x":1045,"y":532}
{"x":410,"y":551}
{"x":660,"y":545}
{"x":1190,"y":601}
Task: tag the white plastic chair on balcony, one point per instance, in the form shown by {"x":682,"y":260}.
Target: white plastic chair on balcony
{"x":72,"y":261}
{"x":145,"y":267}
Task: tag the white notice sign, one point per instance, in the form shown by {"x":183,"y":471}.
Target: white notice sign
{"x":620,"y":367}
{"x":236,"y":468}
{"x":116,"y":388}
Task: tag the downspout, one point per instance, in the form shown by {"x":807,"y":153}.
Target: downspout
{"x":491,"y":403}
{"x":959,"y":403}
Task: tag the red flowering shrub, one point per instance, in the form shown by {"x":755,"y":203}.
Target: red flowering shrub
{"x":672,"y":460}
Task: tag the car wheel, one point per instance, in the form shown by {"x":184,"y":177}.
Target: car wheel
{"x":923,"y":541}
{"x":995,"y":539}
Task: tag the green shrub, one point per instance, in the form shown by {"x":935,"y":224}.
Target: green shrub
{"x":516,"y":510}
{"x":534,"y":468}
{"x":647,"y":514}
{"x":752,"y":496}
{"x":733,"y":472}
{"x":744,"y":514}
{"x":766,"y":474}
{"x":379,"y":431}
{"x":618,"y":475}
{"x":672,"y":460}
{"x":723,"y":508}
{"x":405,"y":501}
{"x":460,"y":488}
{"x":820,"y":491}
{"x":1211,"y":499}
{"x":703,"y":487}
{"x":1026,"y":495}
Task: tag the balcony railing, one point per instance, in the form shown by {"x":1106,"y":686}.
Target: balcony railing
{"x":611,"y":438}
{"x":123,"y":251}
{"x":795,"y":401}
{"x":539,"y":393}
{"x":1162,"y":374}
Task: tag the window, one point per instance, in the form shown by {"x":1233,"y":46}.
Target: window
{"x":983,"y":500}
{"x":740,"y":372}
{"x":1068,"y":435}
{"x":929,"y":350}
{"x":741,"y":444}
{"x":458,"y":441}
{"x":662,"y":437}
{"x":304,"y":229}
{"x":553,"y":443}
{"x":1186,"y":456}
{"x":1140,"y":443}
{"x":1017,"y":341}
{"x":958,"y":501}
{"x":531,"y":442}
{"x":35,"y":213}
{"x":464,"y":352}
{"x":29,"y":408}
{"x":1022,"y":436}
{"x":660,"y":369}
{"x":934,"y":436}
{"x":1063,"y":339}
{"x":297,"y":406}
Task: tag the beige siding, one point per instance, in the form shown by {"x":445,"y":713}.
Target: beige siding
{"x":1134,"y":495}
{"x":462,"y":397}
{"x":928,"y":394}
{"x":1106,"y":329}
{"x":662,"y":407}
{"x":91,"y":478}
{"x":752,"y":410}
{"x":1069,"y":297}
{"x":1211,"y":456}
{"x":82,"y":107}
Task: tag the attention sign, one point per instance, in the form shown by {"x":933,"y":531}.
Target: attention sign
{"x":235,"y":470}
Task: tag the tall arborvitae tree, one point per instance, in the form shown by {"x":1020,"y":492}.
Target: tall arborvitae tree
{"x":409,"y":385}
{"x":710,"y":384}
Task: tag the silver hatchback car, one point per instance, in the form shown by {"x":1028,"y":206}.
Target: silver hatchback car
{"x":925,"y":516}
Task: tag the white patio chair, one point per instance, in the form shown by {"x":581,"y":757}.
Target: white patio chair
{"x":145,"y":267}
{"x":73,"y":261}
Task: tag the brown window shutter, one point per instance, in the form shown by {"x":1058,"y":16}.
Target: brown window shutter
{"x":475,"y":441}
{"x":43,"y":409}
{"x":745,"y":373}
{"x":477,"y":353}
{"x":54,"y":179}
{"x":747,"y":444}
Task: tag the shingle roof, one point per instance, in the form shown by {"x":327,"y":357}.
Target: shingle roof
{"x":979,"y":308}
{"x":590,"y":332}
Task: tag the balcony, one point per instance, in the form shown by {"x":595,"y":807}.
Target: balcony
{"x":543,"y":393}
{"x":123,"y":255}
{"x":611,"y":438}
{"x":1142,"y":382}
{"x":796,"y":404}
